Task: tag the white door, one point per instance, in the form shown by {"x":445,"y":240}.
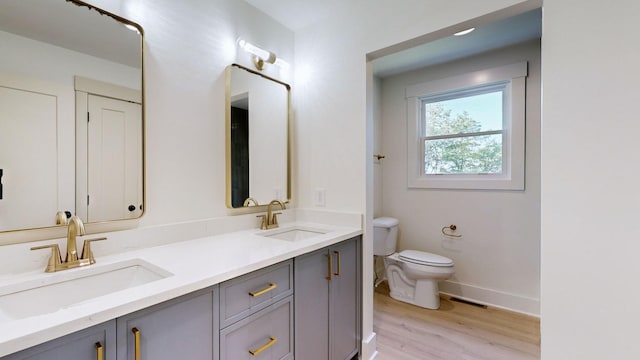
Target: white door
{"x":114,"y":165}
{"x":28,"y":159}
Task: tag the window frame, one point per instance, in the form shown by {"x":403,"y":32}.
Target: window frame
{"x":512,"y":78}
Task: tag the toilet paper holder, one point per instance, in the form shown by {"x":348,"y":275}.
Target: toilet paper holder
{"x":451,"y":228}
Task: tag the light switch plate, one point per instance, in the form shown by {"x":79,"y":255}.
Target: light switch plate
{"x":320,"y":196}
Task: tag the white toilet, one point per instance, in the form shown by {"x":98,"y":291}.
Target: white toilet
{"x":413,"y":275}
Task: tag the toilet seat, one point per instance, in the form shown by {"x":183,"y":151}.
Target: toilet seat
{"x":425,"y":258}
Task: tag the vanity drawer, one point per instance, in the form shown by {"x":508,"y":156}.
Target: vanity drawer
{"x":244,"y":295}
{"x":265,"y":335}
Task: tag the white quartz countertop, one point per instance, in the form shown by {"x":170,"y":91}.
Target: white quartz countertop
{"x":194,"y":264}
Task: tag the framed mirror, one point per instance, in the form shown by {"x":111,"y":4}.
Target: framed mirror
{"x":257,"y":119}
{"x":71,"y":114}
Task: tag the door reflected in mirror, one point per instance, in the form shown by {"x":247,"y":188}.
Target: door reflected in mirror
{"x":109,"y":136}
{"x":71,"y":114}
{"x":257,"y":138}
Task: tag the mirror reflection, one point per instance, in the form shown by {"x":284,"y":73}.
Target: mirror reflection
{"x":257,"y":138}
{"x":71,"y":118}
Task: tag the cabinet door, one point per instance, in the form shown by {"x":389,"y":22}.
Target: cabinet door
{"x":183,"y":328}
{"x":87,"y":344}
{"x":311,"y":306}
{"x":344,"y":288}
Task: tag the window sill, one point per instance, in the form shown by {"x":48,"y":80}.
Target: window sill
{"x":467,"y":182}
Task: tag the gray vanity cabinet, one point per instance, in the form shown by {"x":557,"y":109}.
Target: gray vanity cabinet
{"x":182,"y":328}
{"x":327,"y":298}
{"x":97,"y":342}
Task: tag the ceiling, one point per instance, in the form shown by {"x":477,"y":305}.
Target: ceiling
{"x":77,"y":28}
{"x":294,"y":14}
{"x":297,"y":14}
{"x":498,"y":34}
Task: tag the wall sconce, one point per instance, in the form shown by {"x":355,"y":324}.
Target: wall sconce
{"x":261,"y":56}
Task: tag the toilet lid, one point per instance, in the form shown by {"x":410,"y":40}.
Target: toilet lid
{"x":425,"y":258}
{"x":385,"y":222}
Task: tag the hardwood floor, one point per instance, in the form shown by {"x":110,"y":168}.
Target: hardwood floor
{"x":457,"y":331}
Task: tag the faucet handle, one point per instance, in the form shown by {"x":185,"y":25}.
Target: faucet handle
{"x":263,"y":223}
{"x":274,"y":219}
{"x":86,"y":249}
{"x":55,"y":260}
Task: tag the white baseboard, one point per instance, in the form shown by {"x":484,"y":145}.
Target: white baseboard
{"x":498,"y":299}
{"x":369,"y":351}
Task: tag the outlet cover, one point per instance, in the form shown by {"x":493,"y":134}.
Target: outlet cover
{"x":320,"y":197}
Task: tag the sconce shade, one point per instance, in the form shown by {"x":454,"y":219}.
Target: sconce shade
{"x":261,"y":55}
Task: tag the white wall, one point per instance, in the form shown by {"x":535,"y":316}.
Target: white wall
{"x":378,"y":149}
{"x":330,"y":99}
{"x":188,"y":45}
{"x":498,"y":258}
{"x":590,"y":171}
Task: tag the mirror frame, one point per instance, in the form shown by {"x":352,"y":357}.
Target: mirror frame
{"x":259,"y":207}
{"x":16,"y":236}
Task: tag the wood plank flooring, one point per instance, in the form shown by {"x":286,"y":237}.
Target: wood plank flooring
{"x":456,"y":331}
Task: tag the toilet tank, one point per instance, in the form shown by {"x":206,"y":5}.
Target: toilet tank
{"x":385,"y":235}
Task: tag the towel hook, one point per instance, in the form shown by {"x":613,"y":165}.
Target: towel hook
{"x":451,"y":227}
{"x":378,"y":156}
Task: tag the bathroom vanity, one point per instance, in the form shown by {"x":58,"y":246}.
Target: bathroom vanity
{"x":231,"y":296}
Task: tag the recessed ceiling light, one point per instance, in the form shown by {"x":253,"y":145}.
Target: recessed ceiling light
{"x":464,"y":32}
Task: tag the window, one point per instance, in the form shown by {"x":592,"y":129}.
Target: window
{"x":467,"y":132}
{"x":463,"y":133}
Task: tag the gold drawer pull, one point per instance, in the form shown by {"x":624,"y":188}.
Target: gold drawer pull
{"x":337,"y":273}
{"x":99,"y":351}
{"x":263,"y":347}
{"x":265,"y":290}
{"x":330,"y":266}
{"x":136,"y":335}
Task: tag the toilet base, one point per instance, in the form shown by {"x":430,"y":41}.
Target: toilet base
{"x":425,"y":294}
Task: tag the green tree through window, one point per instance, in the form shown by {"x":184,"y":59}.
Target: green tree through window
{"x":456,"y":143}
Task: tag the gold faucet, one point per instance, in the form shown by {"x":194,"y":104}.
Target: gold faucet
{"x":270,"y":220}
{"x":75,"y":228}
{"x":250,"y":200}
{"x":61,"y":218}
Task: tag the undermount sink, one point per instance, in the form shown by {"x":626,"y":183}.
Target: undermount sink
{"x":293,"y":233}
{"x":53,"y":292}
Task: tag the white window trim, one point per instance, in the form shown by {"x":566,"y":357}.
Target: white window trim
{"x":512,"y":177}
